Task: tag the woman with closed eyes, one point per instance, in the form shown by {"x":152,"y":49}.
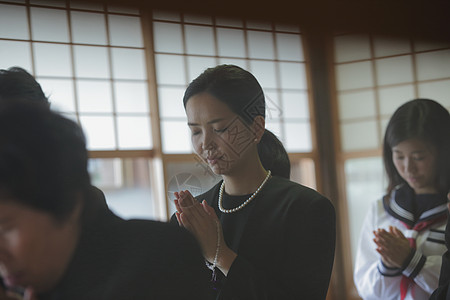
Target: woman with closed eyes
{"x":403,"y":237}
{"x":262,"y":235}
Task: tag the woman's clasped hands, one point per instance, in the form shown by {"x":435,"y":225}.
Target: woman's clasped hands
{"x":201,"y":220}
{"x":393,"y":246}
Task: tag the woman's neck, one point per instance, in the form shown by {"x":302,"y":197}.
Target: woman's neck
{"x":245,"y":181}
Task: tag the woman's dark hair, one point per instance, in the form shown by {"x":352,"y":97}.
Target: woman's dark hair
{"x":17,"y":83}
{"x":426,"y":120}
{"x":240,"y":90}
{"x":273,"y":155}
{"x":43,"y":158}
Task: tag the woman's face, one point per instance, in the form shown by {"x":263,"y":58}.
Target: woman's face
{"x":35,"y":249}
{"x":415,"y":161}
{"x":219,"y":136}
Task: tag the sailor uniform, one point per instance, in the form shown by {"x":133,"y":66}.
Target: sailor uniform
{"x":422,"y":219}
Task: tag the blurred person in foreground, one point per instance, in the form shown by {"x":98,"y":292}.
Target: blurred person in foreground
{"x":59,"y":240}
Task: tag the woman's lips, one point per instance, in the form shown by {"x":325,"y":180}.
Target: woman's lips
{"x":213,"y":160}
{"x":413,"y":179}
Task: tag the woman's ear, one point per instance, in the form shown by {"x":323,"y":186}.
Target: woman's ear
{"x":258,"y":126}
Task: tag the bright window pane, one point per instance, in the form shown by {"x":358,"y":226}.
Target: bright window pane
{"x":199,"y":40}
{"x":128,"y":63}
{"x":134,"y":132}
{"x":274,"y":110}
{"x":295,"y":105}
{"x":125,"y":31}
{"x":171,"y":102}
{"x":359,"y":136}
{"x":91,"y":62}
{"x":275,"y":128}
{"x":351,"y":47}
{"x":385,"y":46}
{"x":176,"y":137}
{"x":131,"y":203}
{"x":130,"y":198}
{"x":15,"y":54}
{"x":289,"y":47}
{"x":196,"y":65}
{"x":260,"y":44}
{"x":357,"y":105}
{"x":354,"y":75}
{"x":303,"y":171}
{"x":131,"y":97}
{"x":106,"y":172}
{"x":165,"y":64}
{"x":167,"y":37}
{"x":13,"y":22}
{"x":60,"y":94}
{"x":231,"y":42}
{"x":49,"y":24}
{"x":438,"y":90}
{"x":391,"y":98}
{"x":384,"y":122}
{"x":433,"y":65}
{"x":52,"y":60}
{"x":394,"y":70}
{"x":298,"y":136}
{"x":94,"y":96}
{"x":292,"y":75}
{"x":364,"y":184}
{"x":88,"y":28}
{"x":264,"y":71}
{"x":99,"y":131}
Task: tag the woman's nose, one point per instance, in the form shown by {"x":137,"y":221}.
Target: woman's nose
{"x":208,"y":142}
{"x":410,"y":166}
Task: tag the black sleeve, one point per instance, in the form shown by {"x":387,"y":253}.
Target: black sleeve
{"x":172,"y":267}
{"x":190,"y":276}
{"x":443,"y":290}
{"x":306,"y":259}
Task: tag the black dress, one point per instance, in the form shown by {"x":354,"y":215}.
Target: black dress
{"x":284,"y":239}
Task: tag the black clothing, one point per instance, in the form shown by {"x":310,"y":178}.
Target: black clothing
{"x":286,"y":250}
{"x":135,"y":259}
{"x":443,"y":290}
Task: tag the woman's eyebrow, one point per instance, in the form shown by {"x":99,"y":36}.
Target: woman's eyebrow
{"x":210,"y":122}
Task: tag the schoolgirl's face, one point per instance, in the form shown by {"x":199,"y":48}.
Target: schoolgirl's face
{"x":219,"y":136}
{"x":415,"y":161}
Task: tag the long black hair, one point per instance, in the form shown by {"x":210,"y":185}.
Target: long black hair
{"x":240,"y":90}
{"x":426,"y":120}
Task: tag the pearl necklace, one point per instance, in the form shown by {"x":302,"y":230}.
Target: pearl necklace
{"x":229,"y":211}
